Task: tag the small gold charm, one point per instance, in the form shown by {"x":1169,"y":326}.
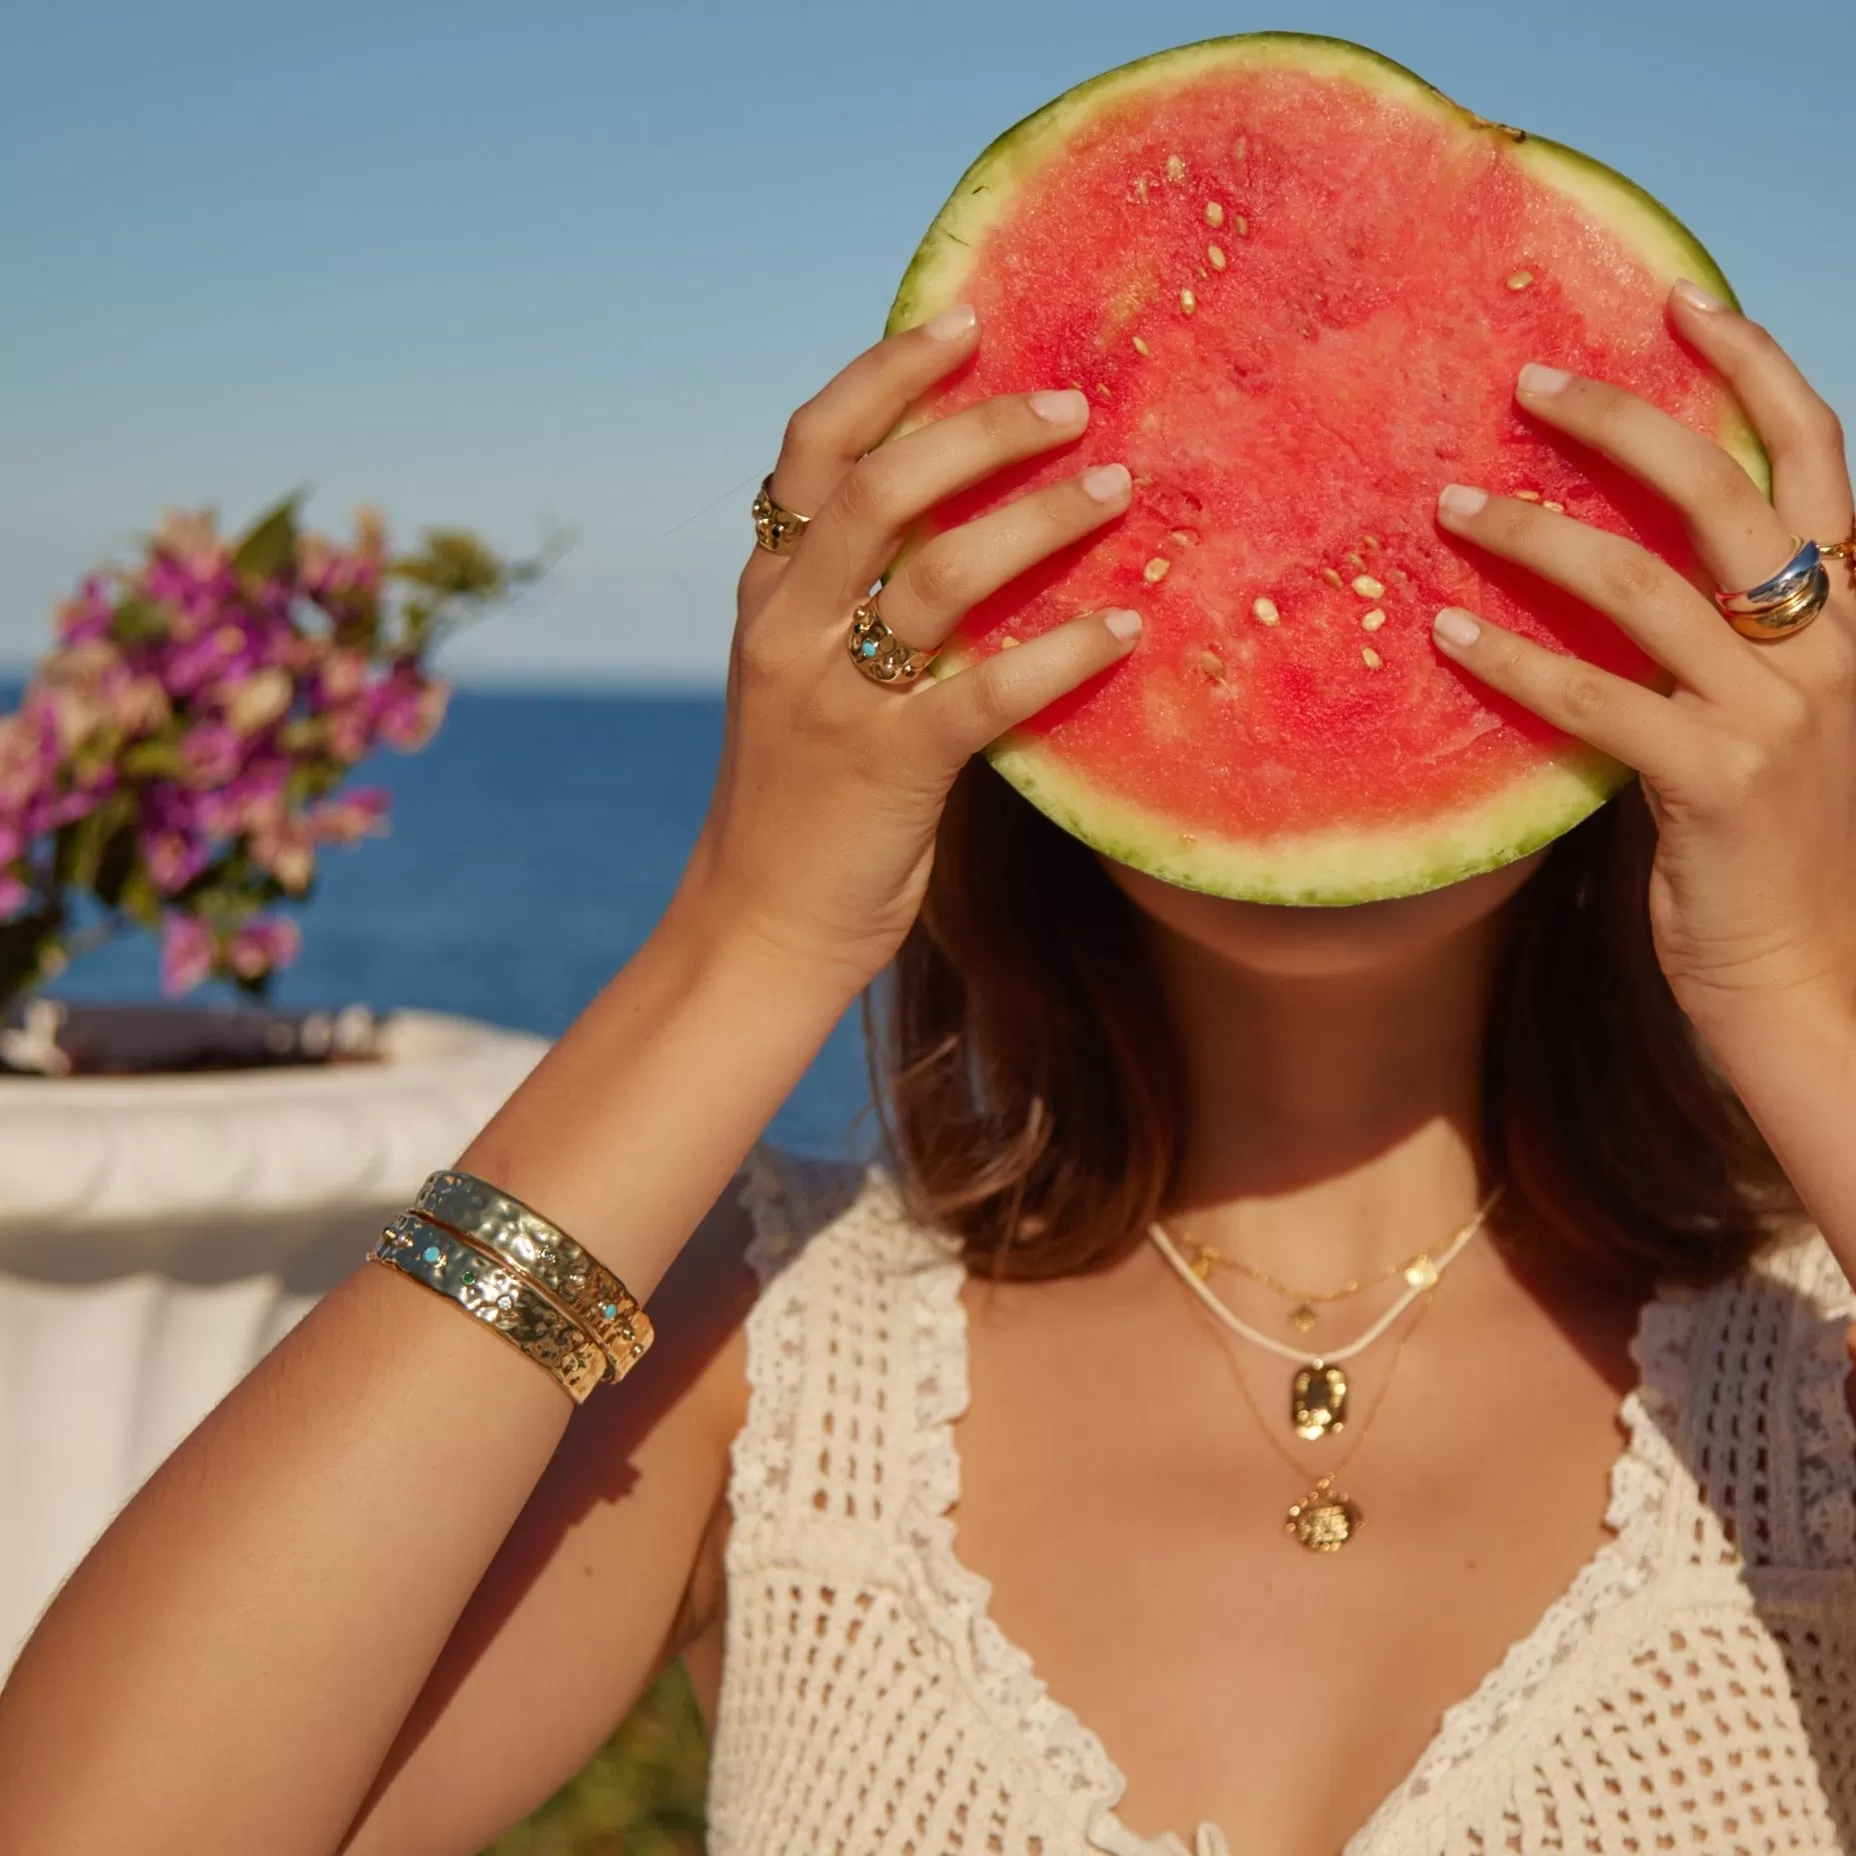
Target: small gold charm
{"x":1318,"y":1401}
{"x":1201,"y":1264}
{"x":1302,"y":1318}
{"x":1322,"y":1521}
{"x":1421,"y":1272}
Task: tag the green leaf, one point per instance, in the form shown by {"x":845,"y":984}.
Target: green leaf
{"x":81,"y":848}
{"x":269,"y":545}
{"x":159,"y":759}
{"x":135,"y":621}
{"x":139,"y":899}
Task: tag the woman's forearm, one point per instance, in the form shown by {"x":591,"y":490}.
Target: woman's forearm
{"x":229,"y":1666}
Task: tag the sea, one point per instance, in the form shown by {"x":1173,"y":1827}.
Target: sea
{"x":533,"y":846}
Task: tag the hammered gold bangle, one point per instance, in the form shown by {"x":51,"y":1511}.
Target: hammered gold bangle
{"x":484,"y":1286}
{"x":575,"y":1281}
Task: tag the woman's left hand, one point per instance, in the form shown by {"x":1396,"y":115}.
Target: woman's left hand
{"x":1749,"y":761}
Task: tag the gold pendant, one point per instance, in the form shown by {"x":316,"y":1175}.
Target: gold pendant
{"x":1302,"y":1318}
{"x":1323,"y":1521}
{"x":1318,"y":1401}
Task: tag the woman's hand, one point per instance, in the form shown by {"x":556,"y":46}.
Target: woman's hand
{"x":821,"y":829}
{"x":1749,"y":762}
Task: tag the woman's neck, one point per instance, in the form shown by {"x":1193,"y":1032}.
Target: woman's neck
{"x":1333,"y":1119}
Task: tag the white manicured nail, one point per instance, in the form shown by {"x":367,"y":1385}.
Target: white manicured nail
{"x":1696,"y":297}
{"x":1455,"y":626}
{"x":1536,"y":378}
{"x":1060,"y":408}
{"x":1109,"y":484}
{"x":1460,"y":500}
{"x":950,"y":324}
{"x":1124,"y":624}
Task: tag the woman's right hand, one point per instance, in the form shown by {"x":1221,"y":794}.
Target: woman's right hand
{"x":821,"y":829}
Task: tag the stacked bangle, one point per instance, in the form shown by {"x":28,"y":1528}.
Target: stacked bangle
{"x":504,"y":1263}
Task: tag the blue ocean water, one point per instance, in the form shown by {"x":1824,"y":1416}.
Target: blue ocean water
{"x":534,"y":845}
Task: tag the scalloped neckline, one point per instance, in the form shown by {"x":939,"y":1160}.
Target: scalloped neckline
{"x":1022,"y":1702}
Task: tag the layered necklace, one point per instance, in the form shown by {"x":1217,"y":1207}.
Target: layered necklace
{"x":1324,"y":1520}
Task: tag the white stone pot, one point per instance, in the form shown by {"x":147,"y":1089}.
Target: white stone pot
{"x":159,"y":1233}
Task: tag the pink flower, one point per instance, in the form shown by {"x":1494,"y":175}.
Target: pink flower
{"x":285,"y":848}
{"x":189,"y":952}
{"x":174,"y":859}
{"x":408,"y":709}
{"x":359,"y":814}
{"x":265,"y":943}
{"x":252,"y":705}
{"x":212,"y":752}
{"x":350,"y":732}
{"x":341,"y":676}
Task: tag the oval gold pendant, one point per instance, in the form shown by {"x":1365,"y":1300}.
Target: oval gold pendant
{"x":1318,"y":1401}
{"x":1302,"y":1318}
{"x":1322,"y":1521}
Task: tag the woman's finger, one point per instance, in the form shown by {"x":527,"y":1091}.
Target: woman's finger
{"x":928,"y":595}
{"x":856,"y":535}
{"x":1620,"y":718}
{"x":1646,"y":597}
{"x":852,"y":411}
{"x":974,"y":707}
{"x":1737,"y":533}
{"x":1802,"y":435}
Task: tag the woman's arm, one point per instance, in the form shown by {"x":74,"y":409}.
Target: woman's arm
{"x":246,"y":1649}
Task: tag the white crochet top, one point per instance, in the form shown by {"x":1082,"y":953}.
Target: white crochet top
{"x":1694,"y":1689}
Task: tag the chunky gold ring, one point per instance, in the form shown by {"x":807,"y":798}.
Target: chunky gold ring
{"x":776,"y":528}
{"x":879,"y":653}
{"x":1784,"y":604}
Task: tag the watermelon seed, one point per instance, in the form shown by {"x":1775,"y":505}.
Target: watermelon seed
{"x":1214,"y":256}
{"x":1214,"y":213}
{"x":1367,"y":587}
{"x":1183,"y":536}
{"x":1143,"y":483}
{"x":1528,"y":496}
{"x":1175,"y":169}
{"x":1140,"y":347}
{"x":1352,"y":559}
{"x":1241,"y":226}
{"x":1106,"y":392}
{"x":1212,"y":664}
{"x":1559,"y":509}
{"x":1331,"y":577}
{"x":1520,"y":280}
{"x":1373,"y":620}
{"x":1369,"y":542}
{"x":1187,"y":302}
{"x":1240,"y":150}
{"x":1156,"y":570}
{"x":1007,"y":642}
{"x":1140,"y":188}
{"x":1371,"y":658}
{"x":1265,"y":611}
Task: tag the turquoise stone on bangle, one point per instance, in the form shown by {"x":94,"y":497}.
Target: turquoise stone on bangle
{"x":433,"y":1254}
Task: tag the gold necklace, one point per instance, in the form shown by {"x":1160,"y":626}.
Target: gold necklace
{"x":1325,"y":1519}
{"x":1318,"y":1392}
{"x":1420,"y":1270}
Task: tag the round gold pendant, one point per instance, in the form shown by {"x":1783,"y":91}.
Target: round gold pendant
{"x":1302,"y":1318}
{"x":1322,"y":1521}
{"x":1318,"y":1401}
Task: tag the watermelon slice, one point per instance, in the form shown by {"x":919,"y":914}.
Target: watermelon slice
{"x":1297,"y":283}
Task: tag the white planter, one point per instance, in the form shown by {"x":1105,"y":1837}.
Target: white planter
{"x":157,"y":1234}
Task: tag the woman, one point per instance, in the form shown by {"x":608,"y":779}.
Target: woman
{"x":387,"y":1597}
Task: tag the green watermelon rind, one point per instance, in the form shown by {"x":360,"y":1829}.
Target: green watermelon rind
{"x":1332,"y":868}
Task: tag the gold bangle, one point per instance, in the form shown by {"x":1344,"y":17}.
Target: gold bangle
{"x":484,"y":1286}
{"x":575,"y":1281}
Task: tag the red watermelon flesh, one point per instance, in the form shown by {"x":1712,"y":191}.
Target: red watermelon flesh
{"x":1297,"y":284}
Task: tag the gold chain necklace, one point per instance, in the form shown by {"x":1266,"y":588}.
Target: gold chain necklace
{"x":1318,"y":1392}
{"x":1419,"y":1270}
{"x":1326,"y":1518}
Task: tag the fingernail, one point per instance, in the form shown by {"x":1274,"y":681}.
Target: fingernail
{"x":950,"y":324}
{"x":1454,"y":626}
{"x":1696,"y":297}
{"x":1460,"y":500}
{"x":1124,"y":624}
{"x":1108,"y":484}
{"x":1060,"y":408}
{"x":1535,"y":378}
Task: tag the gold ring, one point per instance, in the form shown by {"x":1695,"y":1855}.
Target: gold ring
{"x":776,"y":528}
{"x":878,"y":652}
{"x":1844,"y":550}
{"x":1784,"y":604}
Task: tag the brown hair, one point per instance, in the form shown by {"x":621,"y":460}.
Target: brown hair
{"x":1028,"y":1083}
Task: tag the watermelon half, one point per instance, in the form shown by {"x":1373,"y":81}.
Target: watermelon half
{"x":1297,"y":283}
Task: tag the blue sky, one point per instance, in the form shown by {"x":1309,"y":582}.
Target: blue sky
{"x":526,"y":264}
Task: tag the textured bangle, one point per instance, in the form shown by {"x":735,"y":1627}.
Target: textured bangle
{"x":484,"y":1286}
{"x":576,"y":1282}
